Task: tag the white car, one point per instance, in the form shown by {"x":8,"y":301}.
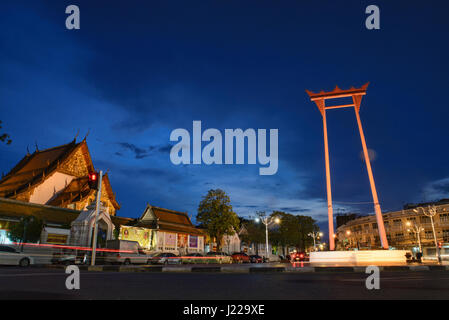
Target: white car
{"x":164,"y":258}
{"x":9,"y":256}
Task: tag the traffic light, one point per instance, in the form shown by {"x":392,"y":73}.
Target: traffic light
{"x":93,"y":180}
{"x":440,"y":245}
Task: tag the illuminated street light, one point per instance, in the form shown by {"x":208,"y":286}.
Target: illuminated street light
{"x":315,"y":235}
{"x":431,"y":212}
{"x":417,"y":229}
{"x":266,"y":221}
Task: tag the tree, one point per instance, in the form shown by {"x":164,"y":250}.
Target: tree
{"x":4,"y":137}
{"x":216,"y":215}
{"x":254,"y":233}
{"x":293,"y":231}
{"x":31,"y":225}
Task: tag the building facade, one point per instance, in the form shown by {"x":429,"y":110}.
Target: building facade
{"x":164,"y":230}
{"x":362,"y":232}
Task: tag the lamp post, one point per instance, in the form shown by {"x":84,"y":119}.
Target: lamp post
{"x":348,"y":233}
{"x":431,"y":212}
{"x":315,"y":235}
{"x":417,"y":229}
{"x":266,"y":221}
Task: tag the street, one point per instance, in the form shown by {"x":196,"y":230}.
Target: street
{"x":43,"y":283}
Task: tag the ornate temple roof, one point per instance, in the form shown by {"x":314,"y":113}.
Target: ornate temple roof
{"x":33,"y":169}
{"x":167,"y":220}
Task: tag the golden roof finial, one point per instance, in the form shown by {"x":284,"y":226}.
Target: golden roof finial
{"x":76,"y":135}
{"x":87,"y":134}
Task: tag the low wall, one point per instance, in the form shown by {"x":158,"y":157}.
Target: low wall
{"x":359,"y":257}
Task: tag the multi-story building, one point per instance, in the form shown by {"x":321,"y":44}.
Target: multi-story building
{"x":363,"y":233}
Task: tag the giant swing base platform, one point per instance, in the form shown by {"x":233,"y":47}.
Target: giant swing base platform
{"x":360,"y":257}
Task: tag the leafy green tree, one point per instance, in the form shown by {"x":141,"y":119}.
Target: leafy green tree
{"x":216,"y":216}
{"x":4,"y":137}
{"x":293,"y":231}
{"x":33,"y":227}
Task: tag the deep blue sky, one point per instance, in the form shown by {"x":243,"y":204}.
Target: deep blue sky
{"x":139,"y":69}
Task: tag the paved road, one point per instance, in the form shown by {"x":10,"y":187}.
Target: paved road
{"x":41,"y":283}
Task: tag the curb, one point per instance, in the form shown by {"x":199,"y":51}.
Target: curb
{"x":335,"y":269}
{"x":232,"y":269}
{"x":266,"y":269}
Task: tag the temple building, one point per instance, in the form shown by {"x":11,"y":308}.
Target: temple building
{"x":57,"y":177}
{"x":160,"y":229}
{"x":52,"y":185}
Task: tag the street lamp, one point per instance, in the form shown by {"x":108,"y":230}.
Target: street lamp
{"x":431,"y":212}
{"x":266,"y":221}
{"x":348,"y":233}
{"x":315,"y":235}
{"x":417,"y":229}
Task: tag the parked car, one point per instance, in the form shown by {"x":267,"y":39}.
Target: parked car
{"x":256,"y":259}
{"x":240,"y":257}
{"x":64,"y":257}
{"x":195,"y":257}
{"x":125,"y":252}
{"x":299,"y":256}
{"x":10,"y":256}
{"x":219,"y":257}
{"x":164,"y":258}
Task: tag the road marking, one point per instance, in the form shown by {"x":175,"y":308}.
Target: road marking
{"x":30,"y":274}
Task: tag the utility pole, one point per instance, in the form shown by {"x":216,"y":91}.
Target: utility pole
{"x":97,"y":210}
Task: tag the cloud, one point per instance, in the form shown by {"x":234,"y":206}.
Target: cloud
{"x":141,"y":153}
{"x":437,"y":190}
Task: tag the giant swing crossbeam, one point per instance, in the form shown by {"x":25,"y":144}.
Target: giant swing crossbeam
{"x":320,"y":100}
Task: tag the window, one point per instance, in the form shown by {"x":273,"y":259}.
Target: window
{"x":429,"y":235}
{"x":444,"y":217}
{"x":397,"y":223}
{"x":446,"y":235}
{"x":425,"y":219}
{"x":7,"y":249}
{"x":399,"y":236}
